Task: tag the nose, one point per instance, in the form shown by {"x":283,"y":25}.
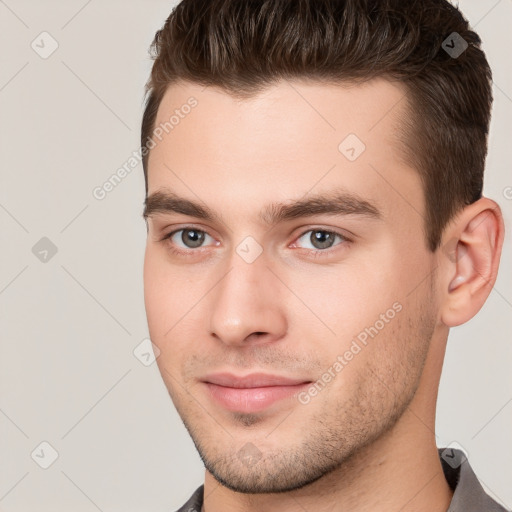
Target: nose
{"x":246,"y":306}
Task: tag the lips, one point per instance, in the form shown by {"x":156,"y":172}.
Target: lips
{"x":254,"y":380}
{"x":251,"y":393}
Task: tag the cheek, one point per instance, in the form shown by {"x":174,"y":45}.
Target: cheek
{"x":154,"y":287}
{"x":163,"y":295}
{"x":377,"y":367}
{"x":171,"y":298}
{"x":347,"y":298}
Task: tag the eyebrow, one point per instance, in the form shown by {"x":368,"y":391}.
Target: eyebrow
{"x":336,"y":202}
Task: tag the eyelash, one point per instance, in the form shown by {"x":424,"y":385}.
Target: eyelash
{"x":316,"y":253}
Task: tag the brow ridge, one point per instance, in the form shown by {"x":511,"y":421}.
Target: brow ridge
{"x":330,"y":203}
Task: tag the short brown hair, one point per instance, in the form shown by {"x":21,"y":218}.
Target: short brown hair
{"x":243,"y":46}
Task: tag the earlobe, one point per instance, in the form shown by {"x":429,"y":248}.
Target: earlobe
{"x":478,"y":238}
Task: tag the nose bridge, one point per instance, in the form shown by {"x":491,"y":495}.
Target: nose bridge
{"x":245,"y":301}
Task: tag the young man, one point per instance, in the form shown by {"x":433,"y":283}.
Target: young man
{"x":316,"y":225}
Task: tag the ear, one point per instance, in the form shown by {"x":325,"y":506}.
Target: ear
{"x":470,"y":257}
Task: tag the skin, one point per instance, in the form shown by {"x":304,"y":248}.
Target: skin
{"x":366,"y":441}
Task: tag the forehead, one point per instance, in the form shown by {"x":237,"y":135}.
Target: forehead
{"x":301,"y":109}
{"x":292,"y":138}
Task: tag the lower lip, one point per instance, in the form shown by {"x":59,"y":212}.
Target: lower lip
{"x":252,"y":399}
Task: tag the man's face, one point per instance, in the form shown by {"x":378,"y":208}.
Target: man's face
{"x":342,"y":303}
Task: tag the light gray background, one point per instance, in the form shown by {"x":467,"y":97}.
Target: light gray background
{"x":69,"y":326}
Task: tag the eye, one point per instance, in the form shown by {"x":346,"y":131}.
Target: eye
{"x":183,"y":241}
{"x":322,"y":239}
{"x":189,"y":237}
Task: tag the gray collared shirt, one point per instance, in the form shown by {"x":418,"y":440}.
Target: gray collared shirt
{"x":468,"y":496}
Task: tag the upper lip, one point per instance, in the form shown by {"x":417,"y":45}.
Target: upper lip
{"x":253,"y":380}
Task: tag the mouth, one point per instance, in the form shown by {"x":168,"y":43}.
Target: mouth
{"x":251,"y":393}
